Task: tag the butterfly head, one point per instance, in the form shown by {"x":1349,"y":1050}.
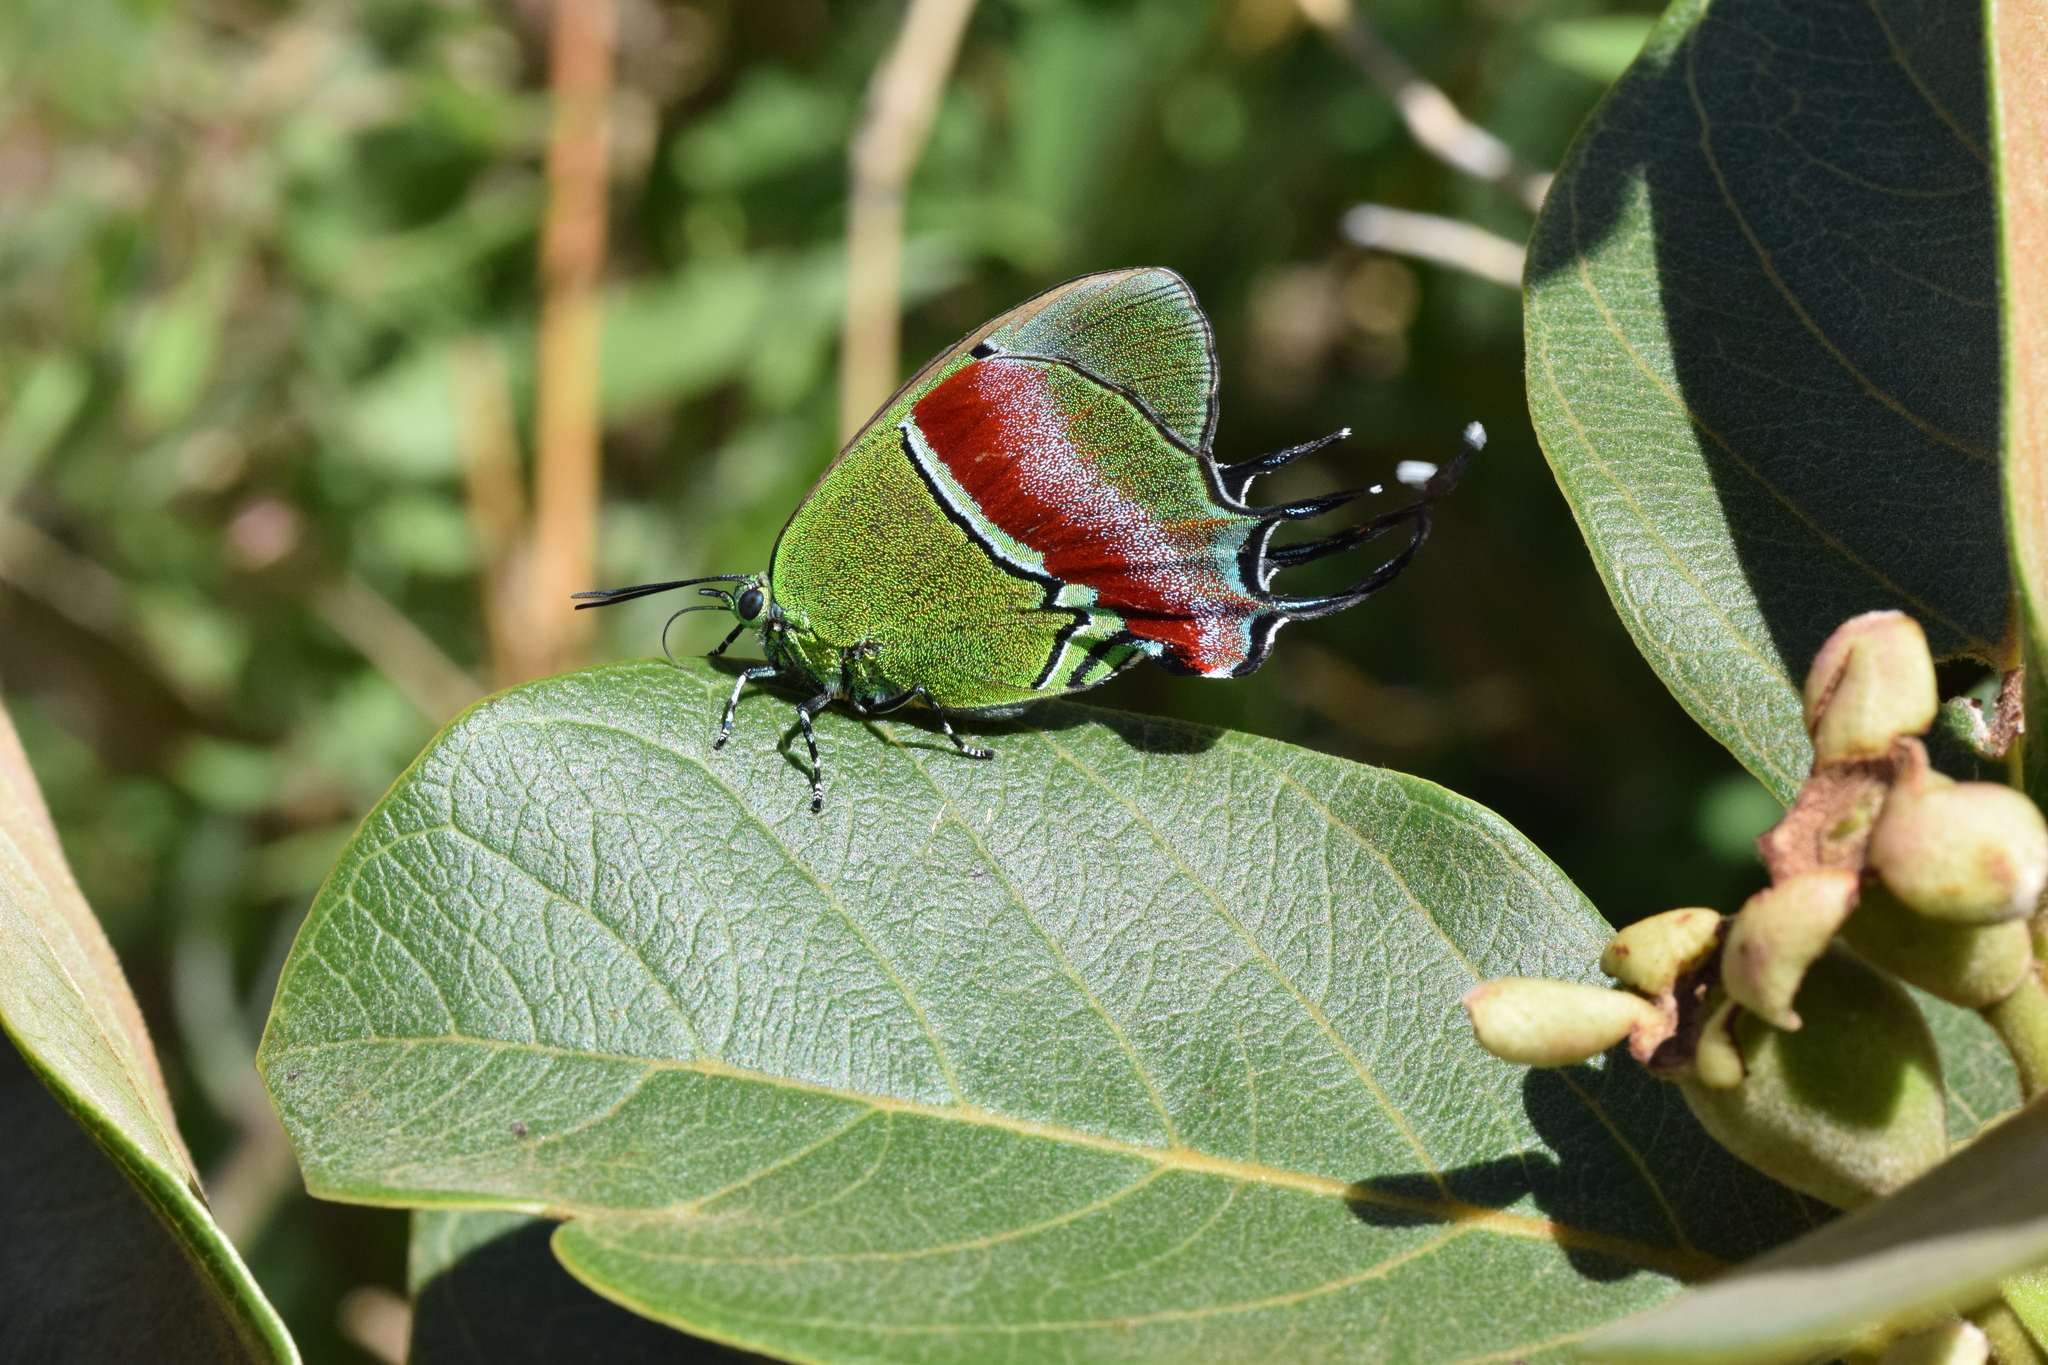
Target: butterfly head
{"x":750,"y":601}
{"x":748,"y":598}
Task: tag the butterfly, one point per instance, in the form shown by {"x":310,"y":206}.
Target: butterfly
{"x":1034,"y":512}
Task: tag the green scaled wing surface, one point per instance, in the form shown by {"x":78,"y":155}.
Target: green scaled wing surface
{"x":1139,"y":1043}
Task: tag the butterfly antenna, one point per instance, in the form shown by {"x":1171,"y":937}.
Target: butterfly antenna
{"x":1436,"y":485}
{"x":608,"y":597}
{"x":672,"y":620}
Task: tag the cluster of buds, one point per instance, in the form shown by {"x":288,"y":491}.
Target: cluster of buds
{"x":1785,"y":1024}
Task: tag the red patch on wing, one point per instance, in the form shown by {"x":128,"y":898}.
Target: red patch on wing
{"x":1002,"y":433}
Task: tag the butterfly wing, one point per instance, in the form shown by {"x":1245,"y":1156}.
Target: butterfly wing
{"x":1038,"y":507}
{"x":1139,"y":332}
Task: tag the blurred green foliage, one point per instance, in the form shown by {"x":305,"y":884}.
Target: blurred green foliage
{"x":243,"y":242}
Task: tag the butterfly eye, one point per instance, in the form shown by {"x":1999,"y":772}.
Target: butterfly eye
{"x":747,"y":606}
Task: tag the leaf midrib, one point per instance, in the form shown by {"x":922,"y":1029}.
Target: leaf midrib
{"x":1681,"y":1262}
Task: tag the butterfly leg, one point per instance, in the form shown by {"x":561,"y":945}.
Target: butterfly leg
{"x":727,"y":640}
{"x":944,"y":724}
{"x":803,"y":719}
{"x":903,"y":699}
{"x":732,"y":702}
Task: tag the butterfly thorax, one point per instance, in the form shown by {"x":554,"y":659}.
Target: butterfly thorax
{"x":857,"y":671}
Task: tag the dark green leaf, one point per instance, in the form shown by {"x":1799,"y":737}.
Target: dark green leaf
{"x":1138,"y":1039}
{"x":1763,"y":347}
{"x":88,"y":1274}
{"x":68,"y":1009}
{"x":1938,"y":1246}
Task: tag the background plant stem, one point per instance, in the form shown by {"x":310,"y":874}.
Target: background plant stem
{"x":572,"y":254}
{"x":1432,"y":119}
{"x":902,"y":100}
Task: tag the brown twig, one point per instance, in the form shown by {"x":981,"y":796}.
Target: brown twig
{"x":572,"y":254}
{"x":497,"y":508}
{"x":255,"y":1176}
{"x":1433,"y":121}
{"x":376,"y":1320}
{"x":397,"y":648}
{"x":1428,"y":237}
{"x":902,"y":101}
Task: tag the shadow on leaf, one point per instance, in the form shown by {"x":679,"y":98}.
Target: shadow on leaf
{"x":505,"y":1300}
{"x":87,"y":1271}
{"x":1147,"y":734}
{"x":1605,"y":1131}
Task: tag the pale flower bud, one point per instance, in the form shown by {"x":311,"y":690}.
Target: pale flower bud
{"x":1973,"y":852}
{"x":1871,"y":682}
{"x":1716,"y":1061}
{"x":1779,"y":933}
{"x":1532,"y":1022}
{"x":1651,"y":954}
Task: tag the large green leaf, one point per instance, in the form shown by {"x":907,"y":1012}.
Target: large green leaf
{"x":1142,"y":1038}
{"x":1940,"y":1245}
{"x":1763,"y":347}
{"x":67,"y":1008}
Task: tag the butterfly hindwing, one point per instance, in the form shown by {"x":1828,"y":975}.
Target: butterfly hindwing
{"x":1140,"y":331}
{"x":1071,"y":481}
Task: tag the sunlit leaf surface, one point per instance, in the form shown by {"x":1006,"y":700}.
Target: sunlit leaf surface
{"x":1141,"y":1039}
{"x":2018,"y":70}
{"x":1763,"y":347}
{"x":69,"y":1011}
{"x":1976,"y":1069}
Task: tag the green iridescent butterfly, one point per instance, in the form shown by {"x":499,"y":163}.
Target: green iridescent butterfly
{"x":1034,"y":512}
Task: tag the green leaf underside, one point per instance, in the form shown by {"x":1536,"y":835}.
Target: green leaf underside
{"x":1976,"y":1070}
{"x":488,"y":1291}
{"x":90,"y":1274}
{"x":1940,"y":1245}
{"x":69,"y":1012}
{"x":1141,"y":1038}
{"x":1763,"y":347}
